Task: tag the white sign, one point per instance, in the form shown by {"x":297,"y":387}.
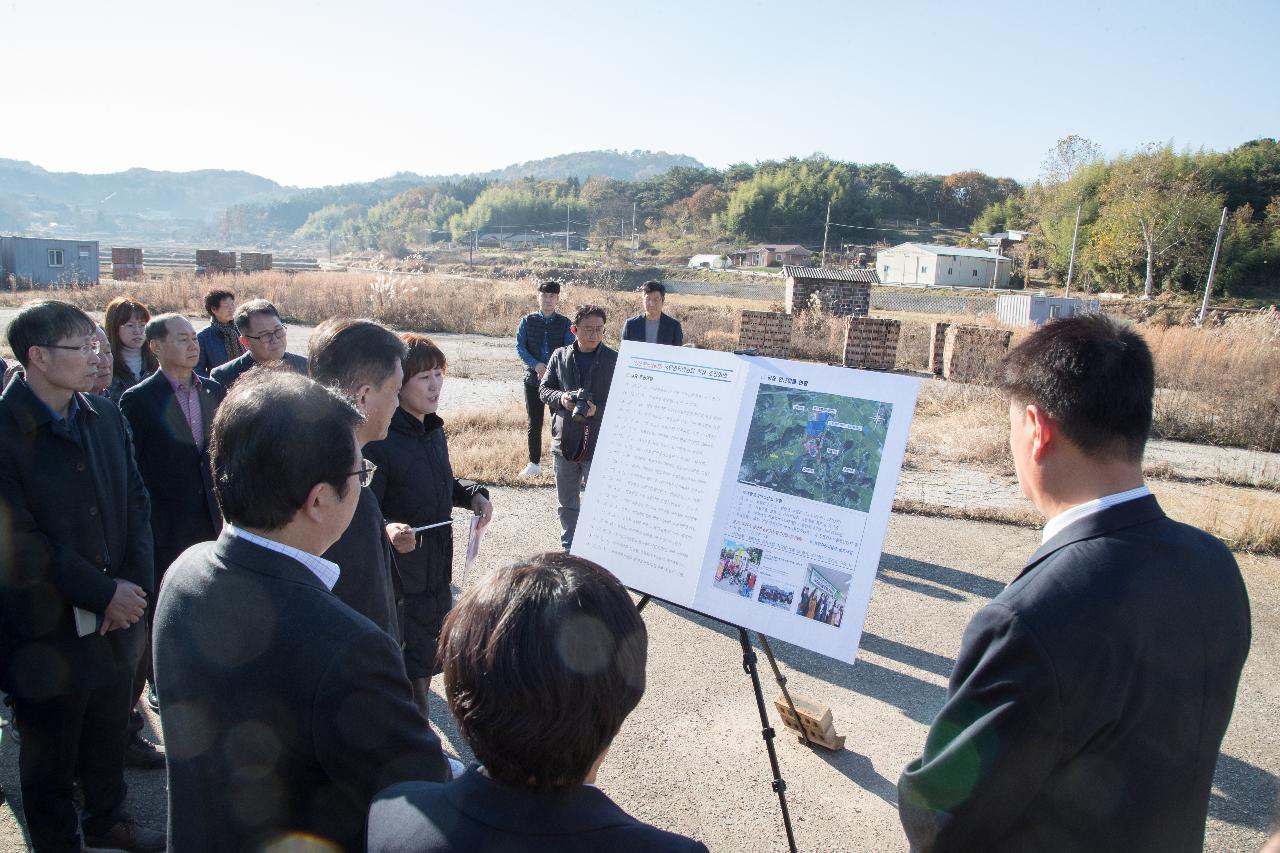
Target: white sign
{"x":755,"y":490}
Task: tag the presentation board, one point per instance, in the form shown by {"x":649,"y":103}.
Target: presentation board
{"x":754,"y":490}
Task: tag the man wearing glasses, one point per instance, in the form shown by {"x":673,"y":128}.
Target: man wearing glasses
{"x":576,"y":387}
{"x":360,"y":359}
{"x":75,"y":573}
{"x":264,"y":337}
{"x":285,"y":711}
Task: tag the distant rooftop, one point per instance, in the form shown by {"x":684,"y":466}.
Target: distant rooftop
{"x":948,"y":251}
{"x":867,"y":276}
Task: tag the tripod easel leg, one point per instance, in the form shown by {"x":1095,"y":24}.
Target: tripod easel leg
{"x":767,"y":732}
{"x":782,"y":684}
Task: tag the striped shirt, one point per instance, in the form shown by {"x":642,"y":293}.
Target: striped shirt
{"x":324,"y":570}
{"x":188,"y":397}
{"x":1059,"y":522}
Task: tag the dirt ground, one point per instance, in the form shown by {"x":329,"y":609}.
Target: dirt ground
{"x":690,"y":758}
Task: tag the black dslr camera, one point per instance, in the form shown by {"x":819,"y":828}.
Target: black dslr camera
{"x":581,"y":398}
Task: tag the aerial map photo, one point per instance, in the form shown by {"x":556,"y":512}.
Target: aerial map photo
{"x":824,"y":447}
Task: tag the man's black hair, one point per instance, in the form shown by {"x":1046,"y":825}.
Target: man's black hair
{"x":1094,"y":376}
{"x":654,"y":287}
{"x":345,"y":354}
{"x":275,"y":437}
{"x":248,"y":310}
{"x":157,"y":328}
{"x":543,"y":661}
{"x":46,"y":322}
{"x":585,"y":311}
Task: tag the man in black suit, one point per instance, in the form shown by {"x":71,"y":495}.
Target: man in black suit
{"x":540,"y":720}
{"x":265,"y":339}
{"x":654,"y":326}
{"x":1090,"y":697}
{"x":75,"y":572}
{"x":360,"y":359}
{"x":284,"y":709}
{"x":171,"y":414}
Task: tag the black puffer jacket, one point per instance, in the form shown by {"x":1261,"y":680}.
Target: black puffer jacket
{"x":415,"y":485}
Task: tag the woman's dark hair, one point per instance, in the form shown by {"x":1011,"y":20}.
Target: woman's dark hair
{"x":421,"y":353}
{"x":1094,"y":376}
{"x":214,"y":298}
{"x":345,"y":354}
{"x":119,"y":311}
{"x":46,"y":322}
{"x":585,"y":311}
{"x":275,"y":437}
{"x":542,"y":662}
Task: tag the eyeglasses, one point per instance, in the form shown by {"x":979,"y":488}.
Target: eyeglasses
{"x":591,"y":330}
{"x":276,"y":334}
{"x":93,"y":347}
{"x":365,"y":473}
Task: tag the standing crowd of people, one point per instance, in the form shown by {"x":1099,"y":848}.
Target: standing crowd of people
{"x":265,"y":540}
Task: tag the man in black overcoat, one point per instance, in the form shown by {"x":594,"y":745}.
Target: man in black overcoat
{"x":1090,"y":697}
{"x":284,"y":710}
{"x":75,"y":573}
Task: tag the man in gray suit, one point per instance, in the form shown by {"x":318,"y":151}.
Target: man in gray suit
{"x":284,"y":709}
{"x":1090,"y":697}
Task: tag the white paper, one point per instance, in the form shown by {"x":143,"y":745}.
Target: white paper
{"x":733,"y":485}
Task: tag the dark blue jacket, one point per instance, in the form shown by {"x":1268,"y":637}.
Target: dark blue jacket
{"x":669,"y":330}
{"x":177,"y":472}
{"x":74,"y":519}
{"x":1090,"y":697}
{"x":474,"y":813}
{"x":227,"y":374}
{"x":213,"y":350}
{"x":537,"y":337}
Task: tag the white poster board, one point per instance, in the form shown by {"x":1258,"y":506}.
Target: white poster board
{"x":754,"y":490}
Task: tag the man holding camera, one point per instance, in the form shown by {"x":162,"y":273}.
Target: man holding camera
{"x":576,"y":388}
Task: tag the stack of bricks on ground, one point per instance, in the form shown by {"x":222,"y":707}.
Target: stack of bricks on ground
{"x":871,"y":343}
{"x":126,"y":264}
{"x":809,"y":719}
{"x":974,"y":354}
{"x":766,"y":332}
{"x":214,"y":261}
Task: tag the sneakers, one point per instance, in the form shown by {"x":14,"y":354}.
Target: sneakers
{"x":531,"y":470}
{"x":456,"y":767}
{"x":128,"y":834}
{"x":153,"y":701}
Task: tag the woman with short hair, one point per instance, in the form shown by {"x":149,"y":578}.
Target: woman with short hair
{"x":126,"y":322}
{"x":543,"y":661}
{"x":220,"y":341}
{"x":415,"y":487}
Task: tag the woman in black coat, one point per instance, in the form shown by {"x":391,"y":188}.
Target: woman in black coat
{"x":415,"y":486}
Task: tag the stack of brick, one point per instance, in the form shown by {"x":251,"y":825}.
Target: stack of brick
{"x":974,"y":354}
{"x":767,"y":332}
{"x":255,"y":261}
{"x":214,"y":261}
{"x":126,"y":264}
{"x":937,"y":342}
{"x":871,"y":343}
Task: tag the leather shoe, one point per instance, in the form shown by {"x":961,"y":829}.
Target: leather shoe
{"x":129,"y":835}
{"x":143,"y":754}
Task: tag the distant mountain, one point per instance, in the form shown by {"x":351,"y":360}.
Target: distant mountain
{"x":623,"y":165}
{"x":203,"y":194}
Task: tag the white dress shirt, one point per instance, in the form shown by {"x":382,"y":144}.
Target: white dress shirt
{"x":1059,"y":522}
{"x":326,"y":571}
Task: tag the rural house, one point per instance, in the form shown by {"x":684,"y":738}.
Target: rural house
{"x":37,"y":261}
{"x":771,"y":256}
{"x":942,"y":266}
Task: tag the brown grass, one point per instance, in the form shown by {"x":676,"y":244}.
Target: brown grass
{"x":488,"y":445}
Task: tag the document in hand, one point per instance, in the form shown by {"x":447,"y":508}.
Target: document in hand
{"x":755,"y":490}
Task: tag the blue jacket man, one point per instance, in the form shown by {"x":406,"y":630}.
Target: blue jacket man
{"x":538,"y":336}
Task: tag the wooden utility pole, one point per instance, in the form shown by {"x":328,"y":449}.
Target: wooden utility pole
{"x":825,"y":229}
{"x":1071,"y":264}
{"x":1208,"y":285}
{"x":635,"y":241}
{"x":566,"y":225}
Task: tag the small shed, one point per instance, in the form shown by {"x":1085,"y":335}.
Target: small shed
{"x":40,"y":262}
{"x":842,"y":292}
{"x":1036,"y":309}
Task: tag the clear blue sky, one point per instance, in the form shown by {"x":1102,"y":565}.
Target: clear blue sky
{"x":311,"y":93}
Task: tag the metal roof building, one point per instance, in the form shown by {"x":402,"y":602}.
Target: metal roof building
{"x":40,"y":262}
